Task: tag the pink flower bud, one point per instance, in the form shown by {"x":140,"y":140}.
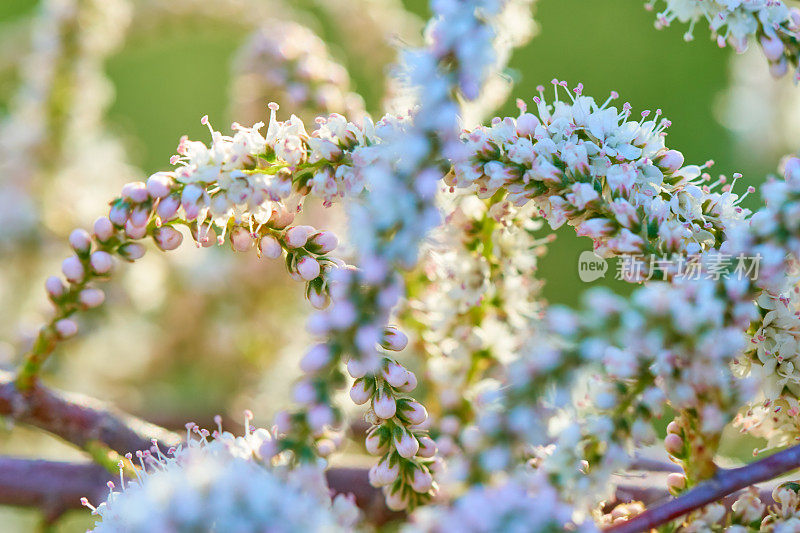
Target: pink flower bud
{"x":135,"y":192}
{"x":270,"y":247}
{"x":674,"y":444}
{"x":140,"y":216}
{"x":325,"y":447}
{"x":427,"y":447}
{"x":90,"y":298}
{"x":118,"y":214}
{"x":394,"y":339}
{"x":411,"y":382}
{"x":407,"y":445}
{"x":283,"y":422}
{"x":131,"y":251}
{"x":779,"y":68}
{"x":414,"y":412}
{"x":527,"y":124}
{"x":54,"y":287}
{"x":772,"y":46}
{"x":268,"y":449}
{"x":323,"y":242}
{"x":315,"y":359}
{"x":320,"y":416}
{"x":395,"y":501}
{"x":373,"y":443}
{"x":674,"y":427}
{"x":318,"y":325}
{"x":676,"y":481}
{"x":343,"y":315}
{"x":308,"y":268}
{"x":134,"y":232}
{"x":66,"y":328}
{"x":168,"y":207}
{"x":167,"y":238}
{"x":395,"y":374}
{"x":280,"y":217}
{"x":356,"y":368}
{"x":159,"y":185}
{"x":206,"y":235}
{"x":73,"y":269}
{"x":297,"y":236}
{"x":192,"y":200}
{"x":318,"y":297}
{"x":382,"y":474}
{"x":241,"y":241}
{"x":103,"y":229}
{"x":791,"y":171}
{"x":422,"y":481}
{"x":671,"y":161}
{"x":366,"y":338}
{"x":384,"y":405}
{"x":80,"y":240}
{"x":361,"y":391}
{"x":101,"y":262}
{"x":304,"y":393}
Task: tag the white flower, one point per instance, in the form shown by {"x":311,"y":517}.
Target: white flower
{"x":223,"y":485}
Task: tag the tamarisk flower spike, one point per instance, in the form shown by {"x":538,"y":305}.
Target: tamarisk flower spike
{"x":773,"y":24}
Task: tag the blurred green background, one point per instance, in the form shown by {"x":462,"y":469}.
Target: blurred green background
{"x":166,"y":80}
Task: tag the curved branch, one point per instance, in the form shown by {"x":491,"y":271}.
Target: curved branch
{"x":723,"y":484}
{"x":51,"y":486}
{"x":79,"y":419}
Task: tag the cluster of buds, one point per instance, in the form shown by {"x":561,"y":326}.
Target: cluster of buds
{"x":355,"y":331}
{"x":288,"y":62}
{"x":774,"y":23}
{"x":226,"y":205}
{"x":216,"y":480}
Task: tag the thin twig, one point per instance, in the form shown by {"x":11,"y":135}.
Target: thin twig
{"x":723,"y":484}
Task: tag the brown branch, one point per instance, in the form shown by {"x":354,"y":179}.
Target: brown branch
{"x":79,"y":419}
{"x":52,"y":487}
{"x":55,"y":487}
{"x":724,"y":483}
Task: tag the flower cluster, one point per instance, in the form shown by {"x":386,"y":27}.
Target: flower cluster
{"x":775,"y":23}
{"x":474,"y":295}
{"x":287,"y":62}
{"x":609,"y":176}
{"x":219,"y":482}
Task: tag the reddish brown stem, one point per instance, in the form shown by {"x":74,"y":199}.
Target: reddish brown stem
{"x":79,"y":419}
{"x":715,"y":489}
{"x":50,"y":486}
